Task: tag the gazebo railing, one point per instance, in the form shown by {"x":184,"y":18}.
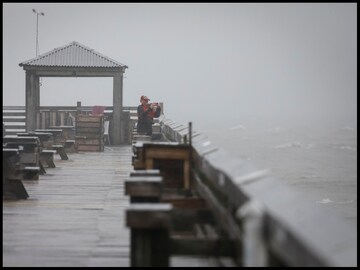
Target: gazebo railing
{"x":14,"y":117}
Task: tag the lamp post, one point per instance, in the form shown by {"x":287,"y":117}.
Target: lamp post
{"x":37,"y":27}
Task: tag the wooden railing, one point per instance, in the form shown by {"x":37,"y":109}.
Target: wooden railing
{"x":268,"y":223}
{"x":14,"y":117}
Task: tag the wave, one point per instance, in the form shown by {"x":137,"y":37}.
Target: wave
{"x":346,"y":147}
{"x":288,"y":145}
{"x":275,"y":129}
{"x":324,"y":201}
{"x":309,"y":176}
{"x":327,"y":200}
{"x":348,"y":128}
{"x":206,"y":143}
{"x":237,"y":127}
{"x":294,"y":144}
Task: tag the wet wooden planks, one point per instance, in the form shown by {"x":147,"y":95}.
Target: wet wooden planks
{"x":74,"y":215}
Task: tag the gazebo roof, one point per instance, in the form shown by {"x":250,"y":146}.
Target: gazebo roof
{"x":73,"y":55}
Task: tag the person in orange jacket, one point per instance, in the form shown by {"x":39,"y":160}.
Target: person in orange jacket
{"x":146,"y":113}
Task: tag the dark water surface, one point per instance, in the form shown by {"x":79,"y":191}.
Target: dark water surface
{"x":318,"y":161}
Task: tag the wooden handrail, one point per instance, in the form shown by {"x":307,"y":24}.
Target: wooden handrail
{"x":294,"y":233}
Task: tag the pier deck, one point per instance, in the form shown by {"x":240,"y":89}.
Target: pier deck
{"x":74,"y":215}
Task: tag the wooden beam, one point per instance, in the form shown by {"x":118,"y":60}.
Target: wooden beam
{"x":148,"y":215}
{"x":184,"y":202}
{"x":140,"y":187}
{"x":153,"y":172}
{"x":187,"y":245}
{"x":166,"y":153}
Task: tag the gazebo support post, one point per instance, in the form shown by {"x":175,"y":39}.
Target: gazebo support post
{"x":32,"y":100}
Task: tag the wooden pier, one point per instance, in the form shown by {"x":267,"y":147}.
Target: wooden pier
{"x":75,"y":215}
{"x":188,"y":203}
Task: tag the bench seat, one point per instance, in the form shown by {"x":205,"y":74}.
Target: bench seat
{"x":70,"y":146}
{"x":31,"y":173}
{"x":47,"y":156}
{"x":60,"y":150}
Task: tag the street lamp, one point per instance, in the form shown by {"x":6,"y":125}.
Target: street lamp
{"x":37,"y":27}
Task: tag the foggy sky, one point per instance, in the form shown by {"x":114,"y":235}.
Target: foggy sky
{"x":206,"y":62}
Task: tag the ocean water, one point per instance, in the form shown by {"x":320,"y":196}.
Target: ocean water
{"x":320,"y":161}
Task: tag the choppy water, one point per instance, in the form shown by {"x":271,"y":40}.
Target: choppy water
{"x":319,"y":161}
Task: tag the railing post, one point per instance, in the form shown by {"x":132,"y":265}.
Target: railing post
{"x":43,"y":122}
{"x":38,"y":121}
{"x":143,"y":186}
{"x":150,"y":234}
{"x":47,"y":119}
{"x":62,"y":118}
{"x":78,"y":108}
{"x":254,"y":246}
{"x":52,"y":118}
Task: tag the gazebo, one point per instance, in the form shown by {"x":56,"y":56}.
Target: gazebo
{"x":73,"y":60}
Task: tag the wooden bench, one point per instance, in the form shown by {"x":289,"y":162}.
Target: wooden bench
{"x":12,"y":177}
{"x":42,"y":169}
{"x":46,"y":138}
{"x":47,"y":142}
{"x":60,"y":150}
{"x":14,"y":188}
{"x":66,"y":134}
{"x":22,"y":139}
{"x":57,"y":133}
{"x":29,"y":148}
{"x":31,"y":173}
{"x":70,"y":146}
{"x":47,"y":157}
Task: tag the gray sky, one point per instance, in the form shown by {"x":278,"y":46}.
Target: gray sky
{"x":206,"y":62}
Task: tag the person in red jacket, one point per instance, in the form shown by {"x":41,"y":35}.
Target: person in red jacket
{"x":146,"y":113}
